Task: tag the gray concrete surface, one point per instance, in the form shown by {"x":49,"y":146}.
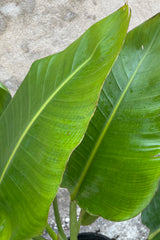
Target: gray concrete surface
{"x":32,"y":29}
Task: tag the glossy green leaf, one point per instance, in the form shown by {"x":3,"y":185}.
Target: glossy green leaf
{"x":115,"y":170}
{"x":47,"y":119}
{"x":151,"y":216}
{"x":5,"y":98}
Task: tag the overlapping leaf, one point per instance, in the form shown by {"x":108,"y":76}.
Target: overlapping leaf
{"x":151,"y":217}
{"x":47,"y":119}
{"x":86,"y":218}
{"x":115,"y":170}
{"x":5,"y":98}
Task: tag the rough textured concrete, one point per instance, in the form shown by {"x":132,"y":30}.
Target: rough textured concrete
{"x":31,"y":29}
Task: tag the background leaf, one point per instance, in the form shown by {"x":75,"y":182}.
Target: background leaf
{"x":86,"y":218}
{"x":5,"y":98}
{"x":47,"y":119}
{"x":114,"y":172}
{"x":151,"y":216}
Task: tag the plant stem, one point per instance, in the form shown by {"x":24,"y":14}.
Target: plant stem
{"x":79,"y":220}
{"x":73,"y":220}
{"x":51,"y":233}
{"x":58,"y":220}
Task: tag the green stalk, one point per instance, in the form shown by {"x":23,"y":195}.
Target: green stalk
{"x":80,"y":219}
{"x":51,"y":233}
{"x":73,"y":220}
{"x":58,"y":220}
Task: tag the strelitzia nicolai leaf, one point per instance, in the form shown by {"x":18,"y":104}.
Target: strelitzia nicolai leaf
{"x":5,"y":98}
{"x":47,"y":119}
{"x":115,"y":170}
{"x":151,"y":217}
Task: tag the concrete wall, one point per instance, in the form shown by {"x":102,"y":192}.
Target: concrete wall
{"x":31,"y":29}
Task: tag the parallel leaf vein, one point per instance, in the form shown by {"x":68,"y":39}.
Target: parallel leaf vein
{"x":42,"y":108}
{"x":83,"y":175}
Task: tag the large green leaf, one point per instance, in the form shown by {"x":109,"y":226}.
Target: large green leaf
{"x":5,"y":98}
{"x":115,"y":170}
{"x":47,"y":119}
{"x":151,"y":217}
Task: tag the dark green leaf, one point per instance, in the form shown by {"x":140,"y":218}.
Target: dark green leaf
{"x":47,"y":119}
{"x":114,"y":172}
{"x":87,"y":219}
{"x":151,"y":216}
{"x":38,"y":238}
{"x":5,"y":98}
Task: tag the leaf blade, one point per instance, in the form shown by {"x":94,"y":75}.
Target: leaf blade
{"x":87,"y":219}
{"x":101,"y":170}
{"x":150,"y":216}
{"x":47,"y":119}
{"x":5,"y":98}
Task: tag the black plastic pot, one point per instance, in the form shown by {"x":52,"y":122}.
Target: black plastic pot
{"x":91,"y":236}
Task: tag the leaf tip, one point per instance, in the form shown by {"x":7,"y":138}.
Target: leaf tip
{"x":127,"y":8}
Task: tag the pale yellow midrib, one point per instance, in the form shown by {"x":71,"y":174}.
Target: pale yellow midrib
{"x":42,"y":108}
{"x":78,"y":185}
